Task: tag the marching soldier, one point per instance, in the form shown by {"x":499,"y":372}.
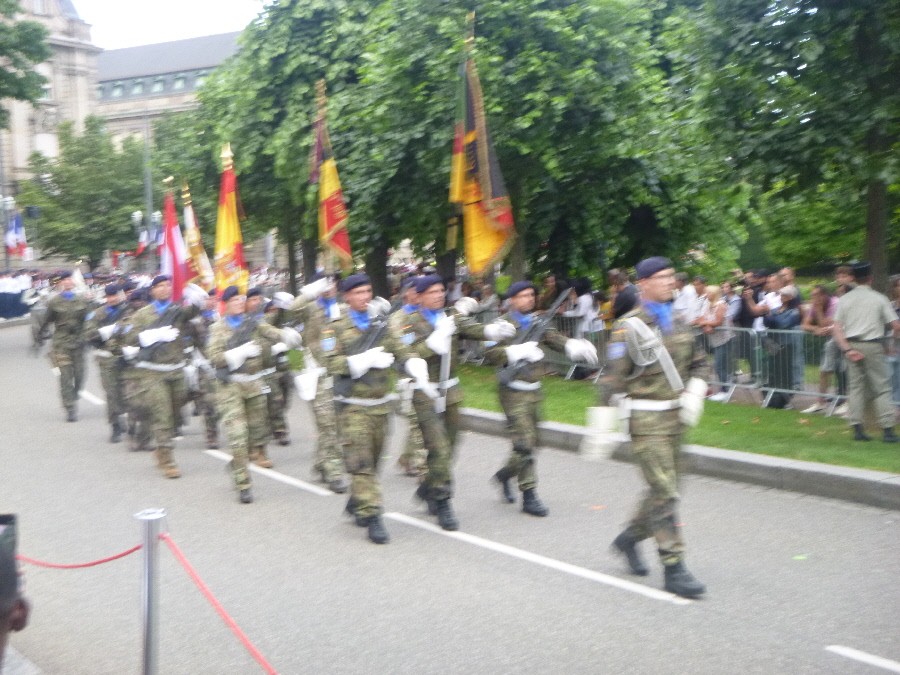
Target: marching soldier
{"x":205,"y":393}
{"x":100,"y":326}
{"x":239,"y":346}
{"x":434,"y":336}
{"x":140,"y":436}
{"x":152,"y":341}
{"x":520,"y":392}
{"x":650,"y":355}
{"x":66,"y":312}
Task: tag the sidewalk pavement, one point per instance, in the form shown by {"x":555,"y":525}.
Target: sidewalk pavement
{"x":874,"y":488}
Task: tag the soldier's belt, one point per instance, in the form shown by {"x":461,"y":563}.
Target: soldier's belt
{"x":245,"y":377}
{"x":445,"y":385}
{"x":522,"y":385}
{"x":160,"y":367}
{"x":649,"y":404}
{"x":103,"y":353}
{"x":365,"y":402}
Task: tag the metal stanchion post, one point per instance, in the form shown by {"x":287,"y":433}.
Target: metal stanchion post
{"x":151,"y":519}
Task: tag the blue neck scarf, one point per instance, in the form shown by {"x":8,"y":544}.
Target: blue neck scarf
{"x":68,"y":295}
{"x":410,"y":309}
{"x":524,"y":320}
{"x":209,"y":314}
{"x":114,"y":310}
{"x":161,"y":306}
{"x":234,"y":321}
{"x":662,"y":312}
{"x":431,"y":315}
{"x":359,"y":319}
{"x":326,"y":304}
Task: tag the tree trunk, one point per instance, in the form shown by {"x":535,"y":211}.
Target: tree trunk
{"x":309,"y":248}
{"x":517,"y":266}
{"x":376,"y":267}
{"x":446,"y":263}
{"x":876,"y":233}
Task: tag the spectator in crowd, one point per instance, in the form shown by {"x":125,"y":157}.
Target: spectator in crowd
{"x":13,"y":607}
{"x":780,"y":345}
{"x":489,"y":303}
{"x":625,"y":300}
{"x":716,"y":326}
{"x":843,"y":276}
{"x":732,"y":301}
{"x":894,"y":352}
{"x":818,"y":320}
{"x":549,"y":290}
{"x":581,"y":316}
{"x":685,"y":302}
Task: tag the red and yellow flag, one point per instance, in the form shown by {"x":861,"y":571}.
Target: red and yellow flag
{"x":230,"y":267}
{"x":476,"y":184}
{"x":333,"y":235}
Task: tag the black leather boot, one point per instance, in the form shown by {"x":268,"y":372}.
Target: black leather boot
{"x":681,"y":582}
{"x":446,"y":518}
{"x":627,"y":546}
{"x":890,"y":436}
{"x":116,"y":435}
{"x":859,"y":434}
{"x":532,"y":504}
{"x":422,"y":494}
{"x":377,"y":532}
{"x":503,"y":477}
{"x":246,"y":497}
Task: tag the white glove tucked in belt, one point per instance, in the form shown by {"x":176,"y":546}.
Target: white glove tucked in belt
{"x":692,"y":399}
{"x":417,"y":369}
{"x":291,"y":338}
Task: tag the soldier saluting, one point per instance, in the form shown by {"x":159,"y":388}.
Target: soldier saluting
{"x":651,"y":355}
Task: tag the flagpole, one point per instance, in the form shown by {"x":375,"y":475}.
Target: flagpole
{"x":321,"y":110}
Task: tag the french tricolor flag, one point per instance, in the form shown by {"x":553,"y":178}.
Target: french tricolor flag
{"x":15,"y":235}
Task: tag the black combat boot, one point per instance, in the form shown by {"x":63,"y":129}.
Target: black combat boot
{"x":350,"y":510}
{"x":859,"y":434}
{"x":503,"y":477}
{"x":338,"y":485}
{"x":71,"y":415}
{"x":532,"y":504}
{"x":890,"y":436}
{"x":446,"y":518}
{"x":422,"y":494}
{"x":116,"y":435}
{"x":627,"y":546}
{"x":681,"y":582}
{"x":377,"y":532}
{"x":246,"y":497}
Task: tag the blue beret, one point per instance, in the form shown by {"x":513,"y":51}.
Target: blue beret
{"x":519,"y":286}
{"x":426,"y":282}
{"x":139,"y":295}
{"x":213,"y":292}
{"x":650,"y":266}
{"x":112,"y":289}
{"x":355,"y":280}
{"x":229,"y":293}
{"x":253,"y":292}
{"x":159,"y":279}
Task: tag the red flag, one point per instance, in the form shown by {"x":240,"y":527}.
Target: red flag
{"x":172,"y":254}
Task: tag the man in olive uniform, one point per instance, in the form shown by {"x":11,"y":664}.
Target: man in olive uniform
{"x":100,"y":326}
{"x":67,"y":311}
{"x":140,"y":436}
{"x":413,"y":460}
{"x":13,"y":606}
{"x":362,"y":384}
{"x":205,"y":392}
{"x":521,"y":396}
{"x":859,"y":332}
{"x":434,"y":335}
{"x":152,"y":341}
{"x":239,"y":346}
{"x":650,"y":354}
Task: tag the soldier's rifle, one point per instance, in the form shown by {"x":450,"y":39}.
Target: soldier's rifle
{"x":534,"y":333}
{"x":167,"y":318}
{"x":378,"y":327}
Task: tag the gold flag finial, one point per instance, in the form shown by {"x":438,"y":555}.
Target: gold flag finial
{"x":168,"y":182}
{"x":227,"y":157}
{"x":185,"y":194}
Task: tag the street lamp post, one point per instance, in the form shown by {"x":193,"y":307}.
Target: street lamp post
{"x":136,"y":219}
{"x":8,"y":207}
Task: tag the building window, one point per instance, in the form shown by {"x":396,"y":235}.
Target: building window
{"x":137,"y":88}
{"x":158,"y":86}
{"x":99,"y":91}
{"x":178,"y":83}
{"x":117,"y":90}
{"x":46,"y":92}
{"x":199,"y":80}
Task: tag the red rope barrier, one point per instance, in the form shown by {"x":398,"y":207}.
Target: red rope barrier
{"x":57,"y":566}
{"x":192,"y":573}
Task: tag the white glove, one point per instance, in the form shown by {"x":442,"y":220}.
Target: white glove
{"x":291,"y":338}
{"x":315,"y":289}
{"x":106,"y":332}
{"x":466,"y":306}
{"x":149,"y":337}
{"x":417,"y":369}
{"x":582,"y":350}
{"x":692,"y":399}
{"x":527,"y":351}
{"x":360,"y":364}
{"x":195,"y":295}
{"x":283,"y":300}
{"x":307,"y":383}
{"x":167,"y":334}
{"x":499,"y":330}
{"x":378,"y":306}
{"x":235,"y":357}
{"x":279,"y":348}
{"x":439,"y":341}
{"x":130,"y":352}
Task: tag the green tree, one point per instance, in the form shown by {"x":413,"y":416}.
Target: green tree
{"x":87,"y":194}
{"x":22,"y":46}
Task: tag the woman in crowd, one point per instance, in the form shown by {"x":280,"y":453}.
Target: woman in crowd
{"x":716,"y":326}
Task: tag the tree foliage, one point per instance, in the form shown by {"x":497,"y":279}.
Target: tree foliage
{"x":22,"y":46}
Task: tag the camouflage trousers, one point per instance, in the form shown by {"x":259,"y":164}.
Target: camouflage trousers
{"x":162,"y":395}
{"x":414,"y":455}
{"x":206,"y":402}
{"x":439,"y":432}
{"x":245,"y":415}
{"x":363,"y":431}
{"x":329,"y":460}
{"x":138,"y":416}
{"x":111,"y":378}
{"x":276,"y":404}
{"x":70,"y":362}
{"x":659,"y":457}
{"x":522,"y":410}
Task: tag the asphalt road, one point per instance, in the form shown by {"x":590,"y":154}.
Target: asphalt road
{"x":789,"y":576}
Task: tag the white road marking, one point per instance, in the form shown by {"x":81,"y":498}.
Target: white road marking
{"x":275,"y":475}
{"x":863,"y":657}
{"x":88,"y":396}
{"x":544,"y":561}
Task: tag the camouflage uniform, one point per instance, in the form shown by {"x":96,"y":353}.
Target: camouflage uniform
{"x":362,"y":411}
{"x":159,"y":378}
{"x":439,"y":430}
{"x":280,"y":383}
{"x":107,"y":362}
{"x":67,"y":313}
{"x":139,"y":433}
{"x":521,"y":402}
{"x":655,"y":434}
{"x":241,"y":394}
{"x":205,"y":394}
{"x":414,"y":457}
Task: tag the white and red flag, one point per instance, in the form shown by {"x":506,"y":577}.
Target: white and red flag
{"x":172,"y":251}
